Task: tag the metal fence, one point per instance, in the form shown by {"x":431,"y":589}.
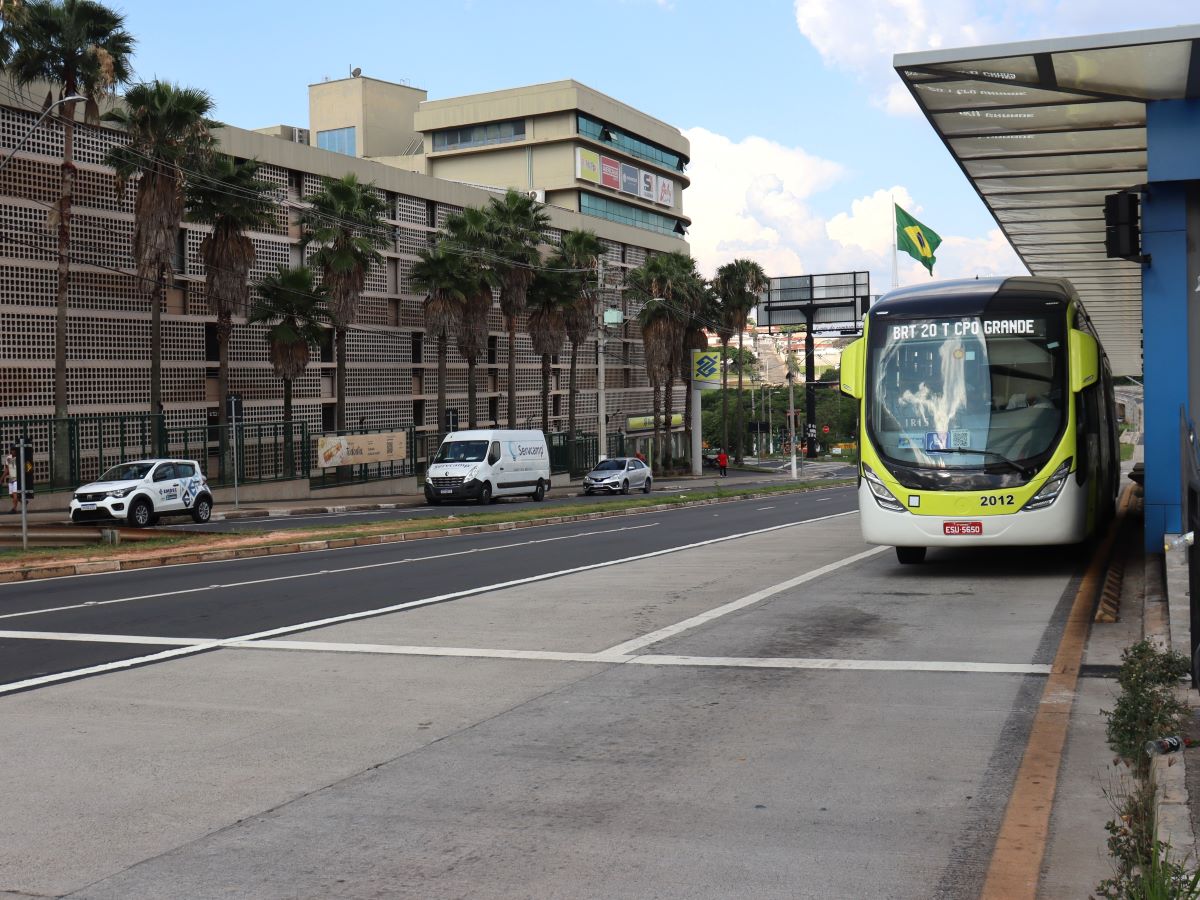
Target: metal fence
{"x":70,"y":452}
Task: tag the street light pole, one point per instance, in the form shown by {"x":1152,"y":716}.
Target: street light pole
{"x":34,"y":127}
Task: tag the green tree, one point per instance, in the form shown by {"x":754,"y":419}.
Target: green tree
{"x":514,"y":229}
{"x":345,"y":223}
{"x":228,"y":197}
{"x":579,"y":250}
{"x":169,"y":134}
{"x":550,"y":293}
{"x":295,"y":311}
{"x":466,"y":235}
{"x":81,"y":48}
{"x":440,"y":274}
{"x":739,"y":283}
{"x":672,"y":289}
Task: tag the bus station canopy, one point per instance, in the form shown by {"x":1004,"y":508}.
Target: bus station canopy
{"x":1044,"y":130}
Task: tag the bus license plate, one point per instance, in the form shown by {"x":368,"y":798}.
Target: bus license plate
{"x":957,"y":528}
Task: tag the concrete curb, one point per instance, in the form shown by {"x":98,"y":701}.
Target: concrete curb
{"x":1166,"y":624}
{"x":63,"y":570}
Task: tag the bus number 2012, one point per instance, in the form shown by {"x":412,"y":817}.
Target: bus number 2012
{"x":998,"y":500}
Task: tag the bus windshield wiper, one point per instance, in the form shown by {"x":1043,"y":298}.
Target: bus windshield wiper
{"x":992,"y":453}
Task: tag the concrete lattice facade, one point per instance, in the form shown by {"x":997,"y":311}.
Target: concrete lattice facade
{"x":109,"y":319}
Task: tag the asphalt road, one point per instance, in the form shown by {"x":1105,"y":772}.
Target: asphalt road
{"x":219,"y":601}
{"x":736,"y":700}
{"x":559,"y":498}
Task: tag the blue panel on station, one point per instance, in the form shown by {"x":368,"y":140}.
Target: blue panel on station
{"x":1173,"y":134}
{"x":1165,"y":351}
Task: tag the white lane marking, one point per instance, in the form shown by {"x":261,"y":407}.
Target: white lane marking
{"x":824,"y":499}
{"x":870,"y":665}
{"x":390,"y":649}
{"x":411,"y":604}
{"x":743,"y":662}
{"x":393,"y":562}
{"x":103,"y":638}
{"x":761,"y":508}
{"x":734,"y":605}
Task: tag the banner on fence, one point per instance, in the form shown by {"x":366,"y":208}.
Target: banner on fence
{"x":641,"y":423}
{"x":355,"y":449}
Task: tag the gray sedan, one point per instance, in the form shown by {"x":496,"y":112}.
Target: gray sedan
{"x":618,"y":474}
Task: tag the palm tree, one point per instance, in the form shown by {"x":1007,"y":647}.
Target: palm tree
{"x":739,"y":283}
{"x":466,"y":236}
{"x":230,"y":199}
{"x":169,"y":133}
{"x":672,"y":286}
{"x":440,"y":274}
{"x":579,"y":250}
{"x":515,"y":226}
{"x":81,"y":47}
{"x":296,"y":311}
{"x":345,"y":221}
{"x":549,"y":294}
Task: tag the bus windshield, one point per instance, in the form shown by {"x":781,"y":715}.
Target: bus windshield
{"x":967,"y":392}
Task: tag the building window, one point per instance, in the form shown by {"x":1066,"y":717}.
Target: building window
{"x":627,"y":214}
{"x":628,"y":143}
{"x":479,"y":135}
{"x":339,"y":140}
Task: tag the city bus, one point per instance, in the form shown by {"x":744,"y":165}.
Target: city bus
{"x":986,"y":417}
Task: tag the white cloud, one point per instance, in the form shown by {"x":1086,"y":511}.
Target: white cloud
{"x":863,"y":40}
{"x":752,"y":199}
{"x":749,"y":199}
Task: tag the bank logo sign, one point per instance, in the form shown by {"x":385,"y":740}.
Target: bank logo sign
{"x":607,"y":172}
{"x":706,"y":369}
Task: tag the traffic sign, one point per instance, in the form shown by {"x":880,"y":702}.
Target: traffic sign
{"x":825,"y":429}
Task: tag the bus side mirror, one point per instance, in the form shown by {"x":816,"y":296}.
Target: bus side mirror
{"x":852,"y":368}
{"x":1085,"y":360}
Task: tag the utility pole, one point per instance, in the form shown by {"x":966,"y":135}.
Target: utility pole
{"x":601,"y":340}
{"x":791,"y":379}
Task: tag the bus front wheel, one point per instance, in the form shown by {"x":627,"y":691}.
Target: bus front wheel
{"x":910,"y":555}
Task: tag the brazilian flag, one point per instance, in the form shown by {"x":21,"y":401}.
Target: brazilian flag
{"x":917,"y":240}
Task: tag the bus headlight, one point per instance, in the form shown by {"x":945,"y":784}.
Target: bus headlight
{"x":883,"y":496}
{"x":1049,"y":491}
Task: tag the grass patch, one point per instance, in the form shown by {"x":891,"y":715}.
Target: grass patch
{"x":94,"y":551}
{"x":1126,"y":451}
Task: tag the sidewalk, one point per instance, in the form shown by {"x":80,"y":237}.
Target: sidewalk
{"x":1153,"y":605}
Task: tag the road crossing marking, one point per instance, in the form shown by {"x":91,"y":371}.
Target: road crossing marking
{"x":38,"y":681}
{"x":649,"y":659}
{"x":703,"y":618}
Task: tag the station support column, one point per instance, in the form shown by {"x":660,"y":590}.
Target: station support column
{"x":1170,"y":304}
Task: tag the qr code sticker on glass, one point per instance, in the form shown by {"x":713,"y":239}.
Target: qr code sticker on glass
{"x":960,"y":439}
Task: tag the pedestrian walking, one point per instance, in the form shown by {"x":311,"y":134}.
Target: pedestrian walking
{"x":10,"y":477}
{"x":722,"y":461}
{"x":24,"y":480}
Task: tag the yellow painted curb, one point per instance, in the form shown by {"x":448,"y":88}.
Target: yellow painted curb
{"x":1021,"y":843}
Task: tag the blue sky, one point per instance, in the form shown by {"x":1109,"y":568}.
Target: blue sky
{"x":800,"y":133}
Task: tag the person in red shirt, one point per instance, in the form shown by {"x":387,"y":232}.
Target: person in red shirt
{"x":722,"y":461}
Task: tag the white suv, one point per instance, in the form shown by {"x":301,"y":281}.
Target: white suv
{"x":141,"y":491}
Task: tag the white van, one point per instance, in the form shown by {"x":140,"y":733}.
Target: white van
{"x":485,"y":463}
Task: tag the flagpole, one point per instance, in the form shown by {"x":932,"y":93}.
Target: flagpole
{"x":895,"y":261}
